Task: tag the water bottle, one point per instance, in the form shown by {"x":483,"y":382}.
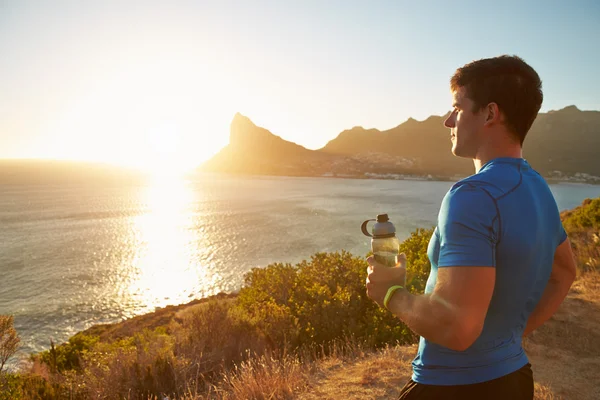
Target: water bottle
{"x":384,"y":243}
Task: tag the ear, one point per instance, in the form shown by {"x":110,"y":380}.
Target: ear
{"x":492,"y":114}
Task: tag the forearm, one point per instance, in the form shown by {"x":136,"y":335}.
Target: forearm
{"x":428,"y":316}
{"x":552,"y":298}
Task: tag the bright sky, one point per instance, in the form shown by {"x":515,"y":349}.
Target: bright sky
{"x":152,"y":84}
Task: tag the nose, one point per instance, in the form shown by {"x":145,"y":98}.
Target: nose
{"x":449,"y":122}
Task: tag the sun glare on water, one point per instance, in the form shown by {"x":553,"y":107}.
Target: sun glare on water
{"x":167,"y":269}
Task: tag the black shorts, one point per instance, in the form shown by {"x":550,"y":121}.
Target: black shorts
{"x":517,"y":385}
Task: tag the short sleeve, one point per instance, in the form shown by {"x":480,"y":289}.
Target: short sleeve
{"x":468,"y":228}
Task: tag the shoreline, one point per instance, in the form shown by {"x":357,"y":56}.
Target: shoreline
{"x":591,"y":180}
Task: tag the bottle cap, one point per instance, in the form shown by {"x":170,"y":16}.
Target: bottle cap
{"x":382,"y":228}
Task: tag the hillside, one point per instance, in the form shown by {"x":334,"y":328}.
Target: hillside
{"x":566,"y":140}
{"x":426,"y":144}
{"x":254,"y":150}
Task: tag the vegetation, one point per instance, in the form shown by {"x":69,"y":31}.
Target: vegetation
{"x":9,"y":340}
{"x":260,"y":344}
{"x":583,"y":226}
{"x":285,"y":317}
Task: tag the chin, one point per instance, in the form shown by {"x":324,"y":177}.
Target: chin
{"x":459,"y":152}
{"x":455,"y":151}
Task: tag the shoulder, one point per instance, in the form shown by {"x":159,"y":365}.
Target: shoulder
{"x":498,"y":179}
{"x":469,"y":199}
{"x":469,"y":193}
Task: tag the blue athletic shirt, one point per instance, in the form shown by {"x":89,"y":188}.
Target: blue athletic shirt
{"x":504,"y":217}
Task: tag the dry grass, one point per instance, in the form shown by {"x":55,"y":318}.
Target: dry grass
{"x":542,"y":392}
{"x":378,"y":375}
{"x":266,"y":378}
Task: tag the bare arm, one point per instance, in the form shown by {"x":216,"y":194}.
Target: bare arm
{"x":562,"y":277}
{"x":453,"y":314}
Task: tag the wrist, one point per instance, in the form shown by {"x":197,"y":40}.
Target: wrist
{"x":390,"y":293}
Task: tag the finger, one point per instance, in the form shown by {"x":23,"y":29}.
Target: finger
{"x":401,"y":260}
{"x":373,"y":263}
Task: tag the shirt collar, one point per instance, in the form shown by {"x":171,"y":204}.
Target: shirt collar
{"x":504,"y":160}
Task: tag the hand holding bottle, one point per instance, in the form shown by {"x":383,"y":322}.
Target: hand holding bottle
{"x":380,"y":278}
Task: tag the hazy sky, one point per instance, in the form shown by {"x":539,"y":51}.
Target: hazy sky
{"x":145,"y":83}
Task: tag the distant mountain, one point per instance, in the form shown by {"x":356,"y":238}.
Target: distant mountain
{"x":426,"y":144}
{"x":567,"y":140}
{"x":560,"y":143}
{"x":255,"y":150}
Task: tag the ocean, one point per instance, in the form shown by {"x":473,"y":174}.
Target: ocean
{"x":75,"y":255}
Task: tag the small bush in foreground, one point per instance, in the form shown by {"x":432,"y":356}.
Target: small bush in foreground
{"x":9,"y":339}
{"x":583,"y":227}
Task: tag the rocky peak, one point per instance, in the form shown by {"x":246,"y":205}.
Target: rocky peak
{"x":244,"y":131}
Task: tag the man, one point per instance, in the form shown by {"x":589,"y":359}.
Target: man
{"x":501,"y":262}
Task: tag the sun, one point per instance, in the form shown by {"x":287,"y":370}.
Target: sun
{"x":164,"y":152}
{"x":162,"y":148}
{"x":162,"y":118}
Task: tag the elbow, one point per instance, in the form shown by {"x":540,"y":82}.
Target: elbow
{"x":570,"y":273}
{"x":464,"y":335}
{"x":565,"y":279}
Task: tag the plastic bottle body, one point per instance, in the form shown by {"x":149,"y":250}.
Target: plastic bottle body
{"x":385,"y":250}
{"x":384,"y":243}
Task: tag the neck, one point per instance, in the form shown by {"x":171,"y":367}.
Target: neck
{"x":485,"y":155}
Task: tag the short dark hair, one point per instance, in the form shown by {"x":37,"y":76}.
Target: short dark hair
{"x":507,"y":81}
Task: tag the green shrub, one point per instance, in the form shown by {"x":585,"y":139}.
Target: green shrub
{"x":276,"y":282}
{"x":584,"y":217}
{"x":583,"y":227}
{"x":324,"y":299}
{"x":139,"y":367}
{"x":9,"y":339}
{"x":25,"y":386}
{"x":67,"y":356}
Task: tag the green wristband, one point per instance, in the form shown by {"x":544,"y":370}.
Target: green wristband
{"x":390,"y":293}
